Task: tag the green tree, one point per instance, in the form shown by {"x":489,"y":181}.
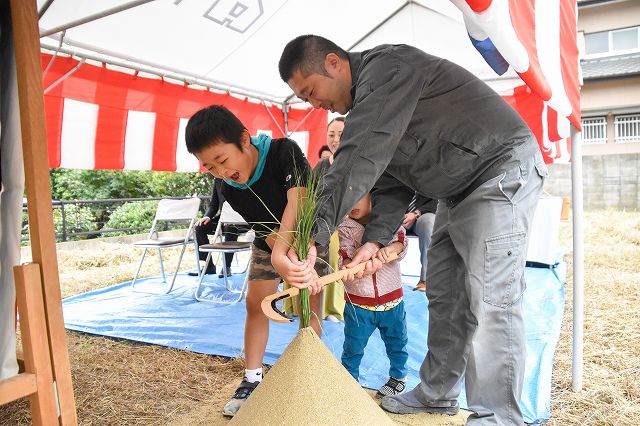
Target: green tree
{"x":131,"y":215}
{"x":71,"y":184}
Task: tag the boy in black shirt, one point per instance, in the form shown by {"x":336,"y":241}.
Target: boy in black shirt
{"x":260,"y":177}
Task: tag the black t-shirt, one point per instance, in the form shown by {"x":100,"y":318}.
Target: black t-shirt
{"x":262,"y":205}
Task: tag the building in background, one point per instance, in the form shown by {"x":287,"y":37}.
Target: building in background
{"x":609,"y":43}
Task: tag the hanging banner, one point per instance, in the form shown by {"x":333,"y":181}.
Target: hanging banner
{"x":99,"y":118}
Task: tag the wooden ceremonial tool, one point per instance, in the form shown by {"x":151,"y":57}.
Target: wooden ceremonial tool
{"x":268,"y":304}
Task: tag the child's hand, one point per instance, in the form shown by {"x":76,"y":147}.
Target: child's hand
{"x":384,"y":253}
{"x":366,"y":252}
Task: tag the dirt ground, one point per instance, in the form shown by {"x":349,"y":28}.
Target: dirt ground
{"x":119,"y":382}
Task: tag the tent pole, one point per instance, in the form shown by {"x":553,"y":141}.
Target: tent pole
{"x":93,"y":17}
{"x":61,"y":79}
{"x":274,"y":119}
{"x":578,"y":260}
{"x":380,"y":24}
{"x":53,"y":58}
{"x":303,"y":120}
{"x":44,"y":8}
{"x":285,"y":110}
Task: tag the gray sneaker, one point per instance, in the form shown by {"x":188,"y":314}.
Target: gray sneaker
{"x":239,"y":397}
{"x":407,"y":403}
{"x":392,"y":387}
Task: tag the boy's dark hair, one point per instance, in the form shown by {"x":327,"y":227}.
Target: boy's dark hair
{"x":213,"y":124}
{"x":323,"y":149}
{"x":306,"y":53}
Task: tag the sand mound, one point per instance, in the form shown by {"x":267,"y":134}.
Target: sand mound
{"x":308,"y":386}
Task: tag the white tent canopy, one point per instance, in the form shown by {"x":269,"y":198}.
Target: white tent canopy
{"x":203,"y":41}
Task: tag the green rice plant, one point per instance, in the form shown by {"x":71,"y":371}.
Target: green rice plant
{"x":305,"y":218}
{"x":307,"y":203}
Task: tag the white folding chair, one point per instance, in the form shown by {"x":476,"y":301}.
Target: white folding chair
{"x":228,"y":216}
{"x":184,"y":210}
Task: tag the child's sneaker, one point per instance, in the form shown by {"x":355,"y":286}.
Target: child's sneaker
{"x":239,"y":397}
{"x":392,"y":387}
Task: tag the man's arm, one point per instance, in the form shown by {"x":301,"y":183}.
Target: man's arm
{"x":425,"y":204}
{"x":386,"y":95}
{"x":390,"y":199}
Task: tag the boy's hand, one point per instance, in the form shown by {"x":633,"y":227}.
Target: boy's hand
{"x":366,"y":252}
{"x":298,"y":273}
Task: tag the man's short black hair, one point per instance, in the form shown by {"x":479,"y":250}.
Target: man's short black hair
{"x":307,"y":53}
{"x":323,"y":149}
{"x":213,"y":124}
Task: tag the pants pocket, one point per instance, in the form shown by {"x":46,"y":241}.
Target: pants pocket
{"x":504,"y":262}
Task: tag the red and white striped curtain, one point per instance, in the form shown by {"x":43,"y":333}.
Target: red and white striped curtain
{"x":99,"y":118}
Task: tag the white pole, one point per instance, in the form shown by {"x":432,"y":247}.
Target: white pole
{"x":578,"y":260}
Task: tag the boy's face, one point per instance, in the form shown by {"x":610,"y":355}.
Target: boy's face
{"x":226,"y":161}
{"x":361,"y":209}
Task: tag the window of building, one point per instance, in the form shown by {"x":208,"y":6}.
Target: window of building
{"x":594,"y":130}
{"x":612,"y":42}
{"x":627,"y":128}
{"x":596,"y":43}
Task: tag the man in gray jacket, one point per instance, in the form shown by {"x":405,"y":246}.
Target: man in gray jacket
{"x":419,"y":123}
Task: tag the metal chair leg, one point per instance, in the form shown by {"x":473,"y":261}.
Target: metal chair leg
{"x":135,"y":277}
{"x":201,"y":277}
{"x":241,"y":294}
{"x":226,"y":280}
{"x":175,"y":274}
{"x":164,"y":278}
{"x":197,"y":252}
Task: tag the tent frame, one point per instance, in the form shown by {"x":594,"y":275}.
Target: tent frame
{"x":29,"y":72}
{"x":577,"y":361}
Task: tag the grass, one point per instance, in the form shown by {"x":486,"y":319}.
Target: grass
{"x":126,"y":383}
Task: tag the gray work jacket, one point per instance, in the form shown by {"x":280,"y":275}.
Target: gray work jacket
{"x":418,"y":123}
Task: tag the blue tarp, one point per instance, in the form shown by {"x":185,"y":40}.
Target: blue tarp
{"x":177,"y":320}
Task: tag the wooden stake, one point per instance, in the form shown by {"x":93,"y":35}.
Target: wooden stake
{"x":24,"y":17}
{"x":33,"y":327}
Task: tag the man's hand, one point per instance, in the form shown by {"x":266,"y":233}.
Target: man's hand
{"x":203,"y":221}
{"x":298,"y":273}
{"x":366,"y":253}
{"x":409,"y":220}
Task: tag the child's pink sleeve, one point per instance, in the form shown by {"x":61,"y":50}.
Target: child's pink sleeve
{"x":401,"y":237}
{"x":347,"y":244}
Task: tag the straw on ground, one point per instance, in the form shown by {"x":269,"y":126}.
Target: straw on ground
{"x":126,"y":383}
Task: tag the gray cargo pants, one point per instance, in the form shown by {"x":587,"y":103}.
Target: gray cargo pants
{"x":476,"y":280}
